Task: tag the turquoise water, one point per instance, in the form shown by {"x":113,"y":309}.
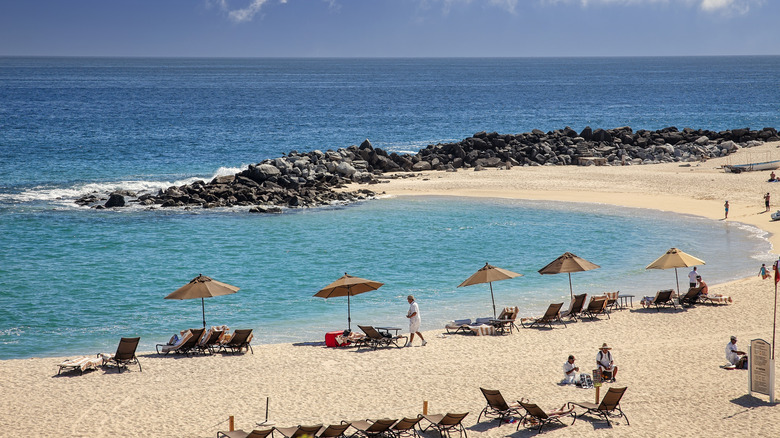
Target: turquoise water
{"x":74,"y":282}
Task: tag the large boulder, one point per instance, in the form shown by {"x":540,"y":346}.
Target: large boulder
{"x":345,"y":169}
{"x":115,"y":200}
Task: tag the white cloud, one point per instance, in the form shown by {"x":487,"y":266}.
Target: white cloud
{"x":244,"y":14}
{"x":721,"y":6}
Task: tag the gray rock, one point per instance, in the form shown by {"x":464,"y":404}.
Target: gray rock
{"x":115,"y":200}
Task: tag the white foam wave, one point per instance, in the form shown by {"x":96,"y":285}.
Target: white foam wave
{"x":50,"y":193}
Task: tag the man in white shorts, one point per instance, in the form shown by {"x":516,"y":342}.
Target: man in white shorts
{"x":414,"y":321}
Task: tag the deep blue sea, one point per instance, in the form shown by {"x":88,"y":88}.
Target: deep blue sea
{"x":73,"y":280}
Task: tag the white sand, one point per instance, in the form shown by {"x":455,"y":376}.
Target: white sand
{"x":669,"y":360}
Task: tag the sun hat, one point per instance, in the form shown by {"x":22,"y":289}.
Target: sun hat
{"x":605,"y":346}
{"x":733,"y":338}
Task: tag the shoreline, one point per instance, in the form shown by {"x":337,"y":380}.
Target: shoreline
{"x":669,"y":360}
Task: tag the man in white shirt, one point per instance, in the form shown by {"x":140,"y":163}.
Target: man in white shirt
{"x":570,"y":372}
{"x":733,"y":355}
{"x":692,"y":277}
{"x":605,"y":363}
{"x":414,"y":321}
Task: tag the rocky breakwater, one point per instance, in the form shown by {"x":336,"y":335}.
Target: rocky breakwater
{"x":294,"y":180}
{"x":320,"y":178}
{"x":619,"y":146}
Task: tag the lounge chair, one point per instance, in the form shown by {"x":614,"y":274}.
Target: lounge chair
{"x":714,"y":299}
{"x":373,"y":428}
{"x":662,"y":298}
{"x":691,"y":297}
{"x":575,"y":307}
{"x":552,"y":314}
{"x":240,"y":340}
{"x":82,"y":364}
{"x":609,"y":405}
{"x":298,"y":431}
{"x":406,"y":427}
{"x":376,"y":339}
{"x":185,"y":344}
{"x":125,"y":354}
{"x":538,"y":415}
{"x":612,"y":300}
{"x":597,"y":306}
{"x":506,"y":319}
{"x":241,"y":434}
{"x":209,"y":342}
{"x":458,"y":325}
{"x":333,"y":431}
{"x":447,"y":423}
{"x":497,"y":406}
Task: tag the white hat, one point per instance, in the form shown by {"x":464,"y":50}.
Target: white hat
{"x":605,"y":346}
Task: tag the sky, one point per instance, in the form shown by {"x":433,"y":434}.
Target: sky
{"x":388,"y":28}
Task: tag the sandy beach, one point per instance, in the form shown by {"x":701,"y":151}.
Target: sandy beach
{"x":669,"y":360}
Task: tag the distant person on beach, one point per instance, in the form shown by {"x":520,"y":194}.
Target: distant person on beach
{"x":772,"y":177}
{"x":766,"y":202}
{"x":570,"y":371}
{"x":726,"y":206}
{"x":692,"y":277}
{"x":763,"y":272}
{"x":734,"y":355}
{"x":605,"y":363}
{"x":414,"y":321}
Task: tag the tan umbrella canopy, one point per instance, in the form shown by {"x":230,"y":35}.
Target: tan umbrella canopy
{"x":674,"y":258}
{"x":568,"y":263}
{"x":202,"y":287}
{"x":348,"y":286}
{"x":489,"y":274}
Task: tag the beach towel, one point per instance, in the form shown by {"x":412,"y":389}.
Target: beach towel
{"x":171,"y":347}
{"x":483,"y":330}
{"x":351,"y":337}
{"x":721,"y":299}
{"x":82,"y":363}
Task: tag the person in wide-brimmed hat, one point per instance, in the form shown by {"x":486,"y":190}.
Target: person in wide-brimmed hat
{"x":605,"y":363}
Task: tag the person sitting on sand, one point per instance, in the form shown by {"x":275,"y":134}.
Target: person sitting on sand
{"x":705,"y":291}
{"x":570,"y":372}
{"x":605,"y":363}
{"x":772,"y":177}
{"x":733,"y":355}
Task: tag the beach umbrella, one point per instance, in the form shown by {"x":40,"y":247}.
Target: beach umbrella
{"x":568,"y":263}
{"x":202,"y":287}
{"x":674,"y":258}
{"x":348,"y":286}
{"x":489,"y":274}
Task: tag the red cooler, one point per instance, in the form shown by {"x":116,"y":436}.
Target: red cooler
{"x":330,"y":339}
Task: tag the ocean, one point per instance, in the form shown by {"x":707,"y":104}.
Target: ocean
{"x":73,"y":280}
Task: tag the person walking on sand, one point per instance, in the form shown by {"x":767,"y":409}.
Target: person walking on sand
{"x":763,"y":272}
{"x":726,"y":206}
{"x":414,"y":321}
{"x":766,"y":202}
{"x":692,"y":277}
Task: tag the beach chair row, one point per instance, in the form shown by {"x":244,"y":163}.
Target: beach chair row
{"x":599,"y":305}
{"x":379,"y":428}
{"x":532,"y":415}
{"x":216,"y":339}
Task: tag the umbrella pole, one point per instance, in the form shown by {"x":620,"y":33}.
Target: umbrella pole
{"x":349,"y":313}
{"x":571,"y":291}
{"x":203,"y":307}
{"x":494,"y":300}
{"x":678,"y":281}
